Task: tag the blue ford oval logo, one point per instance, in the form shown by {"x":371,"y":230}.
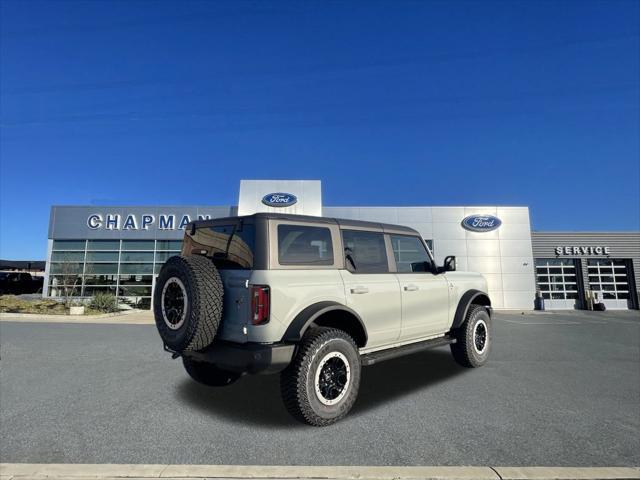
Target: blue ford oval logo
{"x":279,"y":199}
{"x":481,"y":223}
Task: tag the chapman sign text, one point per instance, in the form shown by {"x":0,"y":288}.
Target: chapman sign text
{"x":143,"y":222}
{"x":575,"y":250}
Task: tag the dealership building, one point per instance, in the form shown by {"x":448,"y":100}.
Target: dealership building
{"x":120,"y":249}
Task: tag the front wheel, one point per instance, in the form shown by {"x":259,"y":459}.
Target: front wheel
{"x":473,"y":338}
{"x":321,"y":384}
{"x":208,"y":374}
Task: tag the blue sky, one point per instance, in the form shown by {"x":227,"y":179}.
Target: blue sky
{"x":388,"y":103}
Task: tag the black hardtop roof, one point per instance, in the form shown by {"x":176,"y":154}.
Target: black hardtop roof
{"x":342,"y":222}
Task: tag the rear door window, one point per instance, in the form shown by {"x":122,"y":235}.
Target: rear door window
{"x":304,"y":245}
{"x":365,"y":252}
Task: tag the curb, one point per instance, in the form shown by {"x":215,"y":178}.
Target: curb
{"x":23,"y":471}
{"x":124,"y":317}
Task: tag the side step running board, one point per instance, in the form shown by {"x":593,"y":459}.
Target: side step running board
{"x":380,"y":356}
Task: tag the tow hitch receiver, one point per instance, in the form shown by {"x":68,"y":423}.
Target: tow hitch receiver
{"x":173,"y":353}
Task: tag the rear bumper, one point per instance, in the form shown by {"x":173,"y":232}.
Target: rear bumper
{"x":246,"y":357}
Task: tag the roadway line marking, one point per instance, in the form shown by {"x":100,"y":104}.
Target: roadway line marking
{"x":25,"y":471}
{"x":603,"y":321}
{"x":537,"y":323}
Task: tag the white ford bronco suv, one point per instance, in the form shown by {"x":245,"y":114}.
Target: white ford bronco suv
{"x":315,"y":299}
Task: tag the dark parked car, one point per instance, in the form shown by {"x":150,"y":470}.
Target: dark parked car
{"x":18,"y":283}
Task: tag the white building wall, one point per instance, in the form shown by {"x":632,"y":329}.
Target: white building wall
{"x":504,"y":256}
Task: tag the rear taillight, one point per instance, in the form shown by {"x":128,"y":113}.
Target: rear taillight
{"x":259,"y":304}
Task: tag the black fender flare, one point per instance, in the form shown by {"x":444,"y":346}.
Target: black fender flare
{"x":465,"y":302}
{"x":308,"y":315}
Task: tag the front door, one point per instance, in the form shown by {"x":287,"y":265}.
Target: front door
{"x":370,"y":289}
{"x":425,"y":296}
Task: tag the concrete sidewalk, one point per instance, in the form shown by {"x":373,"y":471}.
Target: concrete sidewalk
{"x":21,"y":471}
{"x":126,"y":317}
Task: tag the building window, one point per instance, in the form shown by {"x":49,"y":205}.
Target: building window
{"x":138,"y":245}
{"x":103,"y":245}
{"x":67,"y":256}
{"x":69,"y":245}
{"x":136,"y":257}
{"x":169,"y":245}
{"x":102,"y":256}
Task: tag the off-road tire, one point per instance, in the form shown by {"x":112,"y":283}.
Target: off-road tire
{"x":208,"y":374}
{"x":464,"y":351}
{"x":204,"y":293}
{"x":297,"y":381}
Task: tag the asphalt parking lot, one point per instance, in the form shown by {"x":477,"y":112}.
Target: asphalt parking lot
{"x":560,"y":389}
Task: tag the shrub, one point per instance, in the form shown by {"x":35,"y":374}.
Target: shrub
{"x":13,"y":304}
{"x":104,"y":302}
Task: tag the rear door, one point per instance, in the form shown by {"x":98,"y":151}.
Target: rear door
{"x":232,"y":247}
{"x":425,"y":296}
{"x":370,"y":289}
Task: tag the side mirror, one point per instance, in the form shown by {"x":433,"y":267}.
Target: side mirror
{"x":450,"y":263}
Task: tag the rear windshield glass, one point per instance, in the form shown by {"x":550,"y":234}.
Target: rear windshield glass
{"x":230,"y":246}
{"x":304,"y":245}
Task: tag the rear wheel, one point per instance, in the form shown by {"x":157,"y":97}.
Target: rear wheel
{"x":473,"y":338}
{"x":208,"y":374}
{"x":321,"y":384}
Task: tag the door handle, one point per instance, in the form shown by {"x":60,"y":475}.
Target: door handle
{"x":359,"y":290}
{"x":410,"y":288}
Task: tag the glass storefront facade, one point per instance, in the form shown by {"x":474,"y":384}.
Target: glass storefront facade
{"x":124,"y":268}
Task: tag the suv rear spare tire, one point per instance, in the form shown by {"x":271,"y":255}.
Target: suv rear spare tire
{"x":187,"y":302}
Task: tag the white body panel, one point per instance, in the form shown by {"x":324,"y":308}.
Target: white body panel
{"x":460,"y":283}
{"x":391,"y":315}
{"x":291,"y":292}
{"x":376,"y":298}
{"x":425,"y":304}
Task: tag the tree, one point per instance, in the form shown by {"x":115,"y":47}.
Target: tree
{"x":68,"y":277}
